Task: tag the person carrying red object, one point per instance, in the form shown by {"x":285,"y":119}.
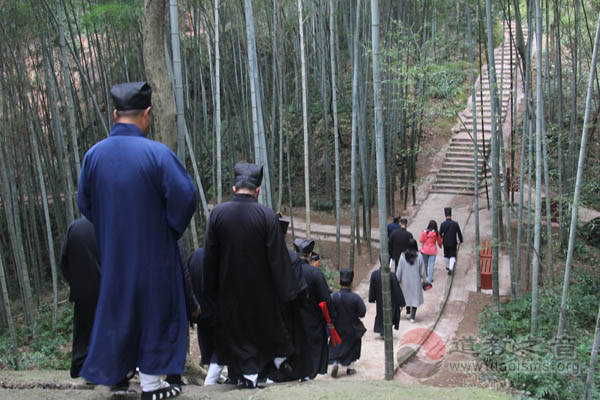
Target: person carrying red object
{"x":312,"y":348}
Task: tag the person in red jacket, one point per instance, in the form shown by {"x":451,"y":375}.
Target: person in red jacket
{"x":430,"y":237}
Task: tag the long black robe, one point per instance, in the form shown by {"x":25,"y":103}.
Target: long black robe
{"x":398,"y":242}
{"x":350,"y":308}
{"x":80,"y":266}
{"x":311,"y":348}
{"x":206,"y":321}
{"x":293,"y":319}
{"x":375,"y":296}
{"x":247,"y":270}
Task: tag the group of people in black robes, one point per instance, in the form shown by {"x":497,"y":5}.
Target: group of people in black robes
{"x":262,"y":310}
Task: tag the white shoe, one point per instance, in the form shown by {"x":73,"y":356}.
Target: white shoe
{"x":412,"y":321}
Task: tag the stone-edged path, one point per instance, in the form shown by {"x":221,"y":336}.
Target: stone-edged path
{"x":445,"y":303}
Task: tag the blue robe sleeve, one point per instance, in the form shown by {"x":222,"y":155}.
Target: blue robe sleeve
{"x":179,"y":193}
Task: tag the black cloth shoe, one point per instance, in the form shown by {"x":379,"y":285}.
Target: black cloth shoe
{"x":334,"y":371}
{"x":121,"y":388}
{"x":449,"y":272}
{"x":247,"y":384}
{"x":286,"y":369}
{"x":164,"y":393}
{"x":350,"y":371}
{"x":175,"y":379}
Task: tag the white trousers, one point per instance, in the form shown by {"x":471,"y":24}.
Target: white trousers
{"x":213,"y":374}
{"x":150,"y":383}
{"x":450,"y":263}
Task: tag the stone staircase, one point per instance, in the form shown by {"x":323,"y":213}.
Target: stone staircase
{"x":456,"y":175}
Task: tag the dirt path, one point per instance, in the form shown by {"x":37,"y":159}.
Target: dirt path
{"x":439,"y":317}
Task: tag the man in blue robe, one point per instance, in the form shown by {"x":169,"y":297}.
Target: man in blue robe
{"x":140,"y":199}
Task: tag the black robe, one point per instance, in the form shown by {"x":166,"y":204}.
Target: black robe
{"x":349,"y":308}
{"x":375,"y":296}
{"x":80,"y":266}
{"x":311,"y":349}
{"x":206,"y":321}
{"x":247,"y":270}
{"x":293,"y":319}
{"x":398,"y":242}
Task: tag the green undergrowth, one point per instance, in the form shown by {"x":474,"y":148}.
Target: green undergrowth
{"x":48,"y":350}
{"x":543,"y":368}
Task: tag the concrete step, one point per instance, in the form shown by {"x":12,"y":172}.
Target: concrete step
{"x":469,"y":140}
{"x":450,"y":166}
{"x":451,"y":191}
{"x":487,"y":117}
{"x":468,"y":127}
{"x":456,"y":185}
{"x":487,"y":99}
{"x":465,"y":148}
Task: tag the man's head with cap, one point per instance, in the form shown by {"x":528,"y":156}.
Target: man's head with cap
{"x":247,"y":178}
{"x":346,"y":277}
{"x":448,"y":212}
{"x":304,"y":247}
{"x":133,"y":102}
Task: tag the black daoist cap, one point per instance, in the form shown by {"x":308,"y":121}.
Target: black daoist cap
{"x":251,"y":174}
{"x":304,"y":246}
{"x":346,"y":276}
{"x":447,"y":211}
{"x":132,"y":96}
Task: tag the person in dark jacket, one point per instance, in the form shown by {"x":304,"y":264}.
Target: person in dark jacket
{"x":398,"y":241}
{"x":247,"y":269}
{"x":80,"y":267}
{"x":394,"y":225}
{"x":350,"y":309}
{"x":375,"y":296}
{"x":312,"y":347}
{"x":450,"y":231}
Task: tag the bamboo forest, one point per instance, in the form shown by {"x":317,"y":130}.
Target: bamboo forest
{"x":437,"y":161}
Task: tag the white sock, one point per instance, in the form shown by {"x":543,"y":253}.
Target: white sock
{"x":252,"y":377}
{"x":335,"y":363}
{"x":150,"y":383}
{"x":447,"y":260}
{"x":452,"y":262}
{"x":213,"y":374}
{"x":278,"y":361}
{"x":349,"y":366}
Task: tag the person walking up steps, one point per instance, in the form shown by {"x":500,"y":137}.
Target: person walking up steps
{"x":411,"y":274}
{"x":450,"y":231}
{"x":430,"y":237}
